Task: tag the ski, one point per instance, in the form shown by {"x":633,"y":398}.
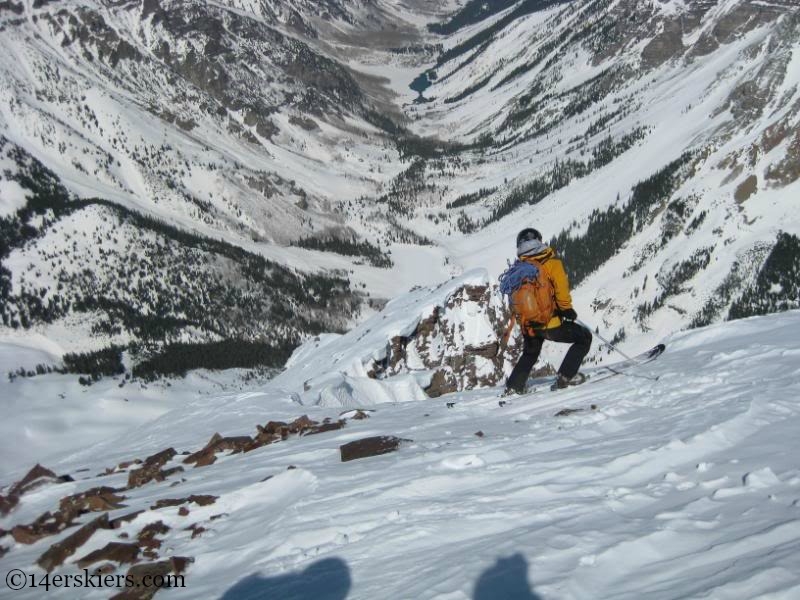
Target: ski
{"x":604,"y":372}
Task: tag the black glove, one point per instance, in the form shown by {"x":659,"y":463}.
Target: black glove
{"x":567,"y":314}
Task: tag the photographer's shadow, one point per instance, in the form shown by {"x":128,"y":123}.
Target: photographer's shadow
{"x":507,"y":579}
{"x":327,"y":579}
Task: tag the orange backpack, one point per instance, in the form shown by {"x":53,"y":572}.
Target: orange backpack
{"x":534,"y":302}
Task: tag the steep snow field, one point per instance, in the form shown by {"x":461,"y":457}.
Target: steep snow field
{"x":685,"y":487}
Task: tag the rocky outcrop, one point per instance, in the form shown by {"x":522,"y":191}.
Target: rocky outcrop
{"x":113,"y":551}
{"x":148,"y":540}
{"x":59,"y":552}
{"x":666,"y":45}
{"x":458,"y":342}
{"x":97,"y":499}
{"x":272,"y":432}
{"x":33,"y":479}
{"x":151,"y":469}
{"x":105,"y":499}
{"x":217,"y":443}
{"x":143,"y":577}
{"x":200,"y":500}
{"x":741,"y":19}
{"x":372,"y":446}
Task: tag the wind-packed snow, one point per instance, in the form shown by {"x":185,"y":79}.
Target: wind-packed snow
{"x":684,"y":487}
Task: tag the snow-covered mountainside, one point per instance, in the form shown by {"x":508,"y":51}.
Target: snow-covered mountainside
{"x":655,"y":143}
{"x":166,"y":168}
{"x":672,"y":481}
{"x":377,"y":145}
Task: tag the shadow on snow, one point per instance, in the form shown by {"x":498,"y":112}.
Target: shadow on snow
{"x":329,"y":579}
{"x":507,"y":579}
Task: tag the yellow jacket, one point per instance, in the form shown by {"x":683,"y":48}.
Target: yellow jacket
{"x":554,"y":270}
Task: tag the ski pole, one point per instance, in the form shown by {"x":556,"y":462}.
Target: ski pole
{"x":604,"y":340}
{"x":613,"y":347}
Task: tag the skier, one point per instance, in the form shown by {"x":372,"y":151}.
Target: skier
{"x":559,"y":327}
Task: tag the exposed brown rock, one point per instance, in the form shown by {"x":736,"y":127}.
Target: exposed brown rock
{"x":60,"y":551}
{"x":301,"y":425}
{"x":437,"y":339}
{"x":480,"y":434}
{"x":104,"y":569}
{"x":273,"y":427}
{"x":180,"y":564}
{"x":167,"y":502}
{"x":160,"y":458}
{"x":30,"y":534}
{"x":151,"y":469}
{"x":488,"y":351}
{"x":327,"y":427}
{"x":265,"y":436}
{"x":199,"y":499}
{"x":164,"y":473}
{"x":234,"y":444}
{"x":196,"y":530}
{"x":443,"y":382}
{"x":30,"y":481}
{"x":93,"y":500}
{"x":117,"y":523}
{"x":476,"y":293}
{"x":150,"y":553}
{"x":45,"y":525}
{"x":183,"y":511}
{"x":397,"y":352}
{"x":664,"y":46}
{"x":128,"y":463}
{"x":148,"y":573}
{"x":217,"y":443}
{"x":203,"y":458}
{"x":304,"y":122}
{"x":122,"y":466}
{"x":7,"y":503}
{"x":746,"y":189}
{"x":203,"y":499}
{"x":741,"y":19}
{"x":25,"y":534}
{"x":113,"y":551}
{"x":147,"y":537}
{"x":787,"y":170}
{"x":372,"y":446}
{"x":34,"y":478}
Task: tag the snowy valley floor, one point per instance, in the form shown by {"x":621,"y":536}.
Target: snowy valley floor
{"x":688,"y":487}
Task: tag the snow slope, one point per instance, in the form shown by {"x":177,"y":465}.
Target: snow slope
{"x":687,"y":487}
{"x":163,"y":109}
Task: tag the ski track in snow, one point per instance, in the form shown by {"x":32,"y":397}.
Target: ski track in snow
{"x":687,"y":487}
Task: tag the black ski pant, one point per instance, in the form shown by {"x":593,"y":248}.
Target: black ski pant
{"x":566,"y":333}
